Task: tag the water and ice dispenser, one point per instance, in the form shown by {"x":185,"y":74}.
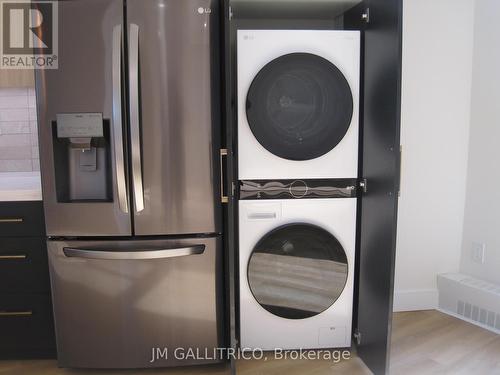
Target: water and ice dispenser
{"x":82,"y":157}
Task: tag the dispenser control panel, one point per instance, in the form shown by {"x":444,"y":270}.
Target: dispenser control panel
{"x":79,"y":125}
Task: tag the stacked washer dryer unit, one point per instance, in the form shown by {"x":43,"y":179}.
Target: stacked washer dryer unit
{"x":298,"y":128}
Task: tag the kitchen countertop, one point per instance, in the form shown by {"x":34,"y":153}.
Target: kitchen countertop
{"x":20,"y":186}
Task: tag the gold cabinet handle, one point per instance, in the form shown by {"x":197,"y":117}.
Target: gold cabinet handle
{"x":13,"y":257}
{"x":11,"y":220}
{"x":223,"y":198}
{"x":16,"y":313}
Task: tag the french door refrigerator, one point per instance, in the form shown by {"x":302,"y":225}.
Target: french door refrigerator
{"x":129,"y":144}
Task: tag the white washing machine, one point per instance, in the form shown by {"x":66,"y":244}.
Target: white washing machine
{"x":296,"y":266}
{"x":298,"y":104}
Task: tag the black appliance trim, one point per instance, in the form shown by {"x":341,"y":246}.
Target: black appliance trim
{"x":298,"y":188}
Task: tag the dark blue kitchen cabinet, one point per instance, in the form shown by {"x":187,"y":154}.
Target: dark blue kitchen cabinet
{"x":26,"y":322}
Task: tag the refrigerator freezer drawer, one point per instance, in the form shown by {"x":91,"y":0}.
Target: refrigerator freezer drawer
{"x":131,"y":304}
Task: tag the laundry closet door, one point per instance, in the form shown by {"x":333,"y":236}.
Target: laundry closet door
{"x":380,"y":167}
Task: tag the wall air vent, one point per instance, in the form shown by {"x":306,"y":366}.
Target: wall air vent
{"x":474,"y":300}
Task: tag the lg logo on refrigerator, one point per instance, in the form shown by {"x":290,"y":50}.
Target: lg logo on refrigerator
{"x":28,"y":34}
{"x":202,"y":10}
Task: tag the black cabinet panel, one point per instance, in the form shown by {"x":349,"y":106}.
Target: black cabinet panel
{"x":23,"y":265}
{"x":21,"y":219}
{"x":26,"y":326}
{"x":380,"y":167}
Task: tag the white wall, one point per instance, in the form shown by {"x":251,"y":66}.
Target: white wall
{"x":437,"y":67}
{"x":482,"y":208}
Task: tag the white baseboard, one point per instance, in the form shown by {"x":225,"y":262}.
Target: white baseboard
{"x":415,"y":299}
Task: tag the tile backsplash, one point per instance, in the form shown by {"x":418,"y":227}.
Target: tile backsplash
{"x":18,"y":131}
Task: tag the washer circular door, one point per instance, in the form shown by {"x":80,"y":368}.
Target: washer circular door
{"x":299,"y":106}
{"x":297,"y":271}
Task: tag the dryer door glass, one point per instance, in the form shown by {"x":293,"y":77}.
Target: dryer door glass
{"x":297,"y":271}
{"x":299,"y":106}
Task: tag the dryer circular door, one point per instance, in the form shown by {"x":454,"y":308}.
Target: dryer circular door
{"x":297,"y":271}
{"x":299,"y":106}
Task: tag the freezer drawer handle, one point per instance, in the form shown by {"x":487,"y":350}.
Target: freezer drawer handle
{"x":135,"y":134}
{"x":121,"y":184}
{"x":132,"y":255}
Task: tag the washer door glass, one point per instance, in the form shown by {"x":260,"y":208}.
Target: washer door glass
{"x":297,"y":271}
{"x":299,"y":106}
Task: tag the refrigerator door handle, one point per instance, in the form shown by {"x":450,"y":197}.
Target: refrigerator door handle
{"x":135,"y":135}
{"x":121,"y":184}
{"x":133,"y":255}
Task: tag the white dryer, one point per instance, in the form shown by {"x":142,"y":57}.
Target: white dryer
{"x":298,"y":104}
{"x":296,"y":267}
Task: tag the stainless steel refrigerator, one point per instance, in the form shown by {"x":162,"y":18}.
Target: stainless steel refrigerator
{"x":129,"y":144}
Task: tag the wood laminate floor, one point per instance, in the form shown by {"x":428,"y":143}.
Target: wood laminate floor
{"x":423,"y":342}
